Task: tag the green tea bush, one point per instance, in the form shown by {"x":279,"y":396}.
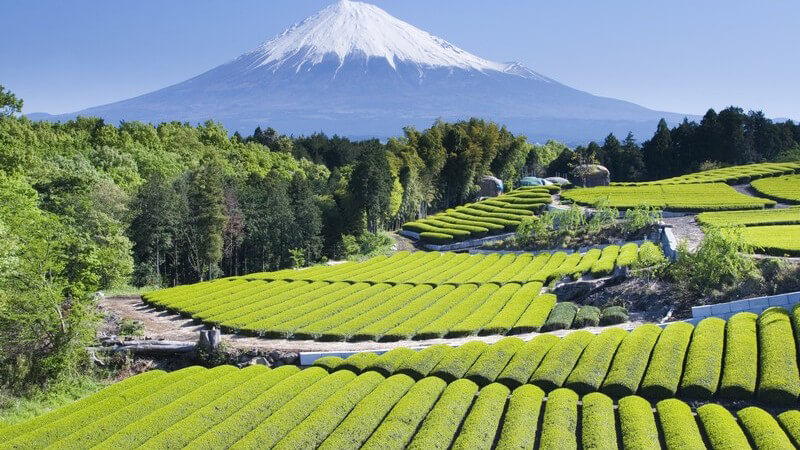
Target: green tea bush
{"x":740,"y":361}
{"x":721,"y":428}
{"x":521,"y":419}
{"x":630,"y":361}
{"x":358,"y":363}
{"x":560,"y":360}
{"x":637,"y":423}
{"x":457,"y":362}
{"x":613,"y":315}
{"x":598,"y":429}
{"x":493,"y":360}
{"x":587,"y":316}
{"x":440,"y":426}
{"x":595,"y":361}
{"x":535,"y":315}
{"x":479,"y":428}
{"x":762,"y":429}
{"x":560,"y":421}
{"x":679,"y":425}
{"x":628,"y":255}
{"x":666,"y":363}
{"x":389,"y":362}
{"x":704,"y":359}
{"x":561,"y":316}
{"x":790,"y":422}
{"x":526,"y":359}
{"x":420,"y":364}
{"x":778,"y":377}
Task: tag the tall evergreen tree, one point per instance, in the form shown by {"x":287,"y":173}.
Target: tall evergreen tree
{"x":206,"y":216}
{"x":656,"y":152}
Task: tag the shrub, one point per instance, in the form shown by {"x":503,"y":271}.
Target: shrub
{"x":720,"y":427}
{"x":567,"y":267}
{"x":560,"y":360}
{"x":318,"y":425}
{"x":605,"y":265}
{"x":456,"y":363}
{"x":630,"y":361}
{"x":436,"y":238}
{"x":402,"y":422}
{"x":614,"y":315}
{"x":535,"y":315}
{"x":505,"y":320}
{"x":587,"y":316}
{"x":525,"y":361}
{"x":637,"y":424}
{"x":560,"y":420}
{"x":271,"y":430}
{"x":762,"y":429}
{"x":598,"y":429}
{"x":479,"y":317}
{"x":480,"y":426}
{"x":368,"y":414}
{"x":221,"y":408}
{"x":790,"y":421}
{"x":441,"y":425}
{"x":329,"y":363}
{"x":666,"y":364}
{"x":410,"y":325}
{"x":521,"y":419}
{"x":595,"y":361}
{"x":778,"y":377}
{"x":649,"y":255}
{"x":388,"y":363}
{"x":679,"y":425}
{"x":639,"y":217}
{"x":402,"y":322}
{"x":442,"y":325}
{"x":420,"y":364}
{"x":704,"y":359}
{"x":561,"y":316}
{"x":358,"y":363}
{"x":740,"y":359}
{"x":493,"y":360}
{"x":588,"y":260}
{"x":628,"y":255}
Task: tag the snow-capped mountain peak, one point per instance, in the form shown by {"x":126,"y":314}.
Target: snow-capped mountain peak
{"x":351,"y":28}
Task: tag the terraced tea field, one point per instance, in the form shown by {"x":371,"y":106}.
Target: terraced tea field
{"x":783,"y":189}
{"x":491,"y":216}
{"x":507,"y":395}
{"x":778,"y":240}
{"x":419,"y":295}
{"x":671,"y":197}
{"x":782,"y":216}
{"x":730,"y":175}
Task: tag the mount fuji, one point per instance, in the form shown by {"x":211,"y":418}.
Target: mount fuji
{"x":353,"y":69}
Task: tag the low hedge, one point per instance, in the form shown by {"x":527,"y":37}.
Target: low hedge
{"x":525,"y":361}
{"x":778,"y":377}
{"x":560,"y":422}
{"x":480,"y":426}
{"x":567,"y":267}
{"x":649,"y":254}
{"x":678,"y":425}
{"x":329,"y":363}
{"x":436,"y":238}
{"x":560,"y":360}
{"x":762,"y":429}
{"x":740,"y":359}
{"x":587,"y":261}
{"x":399,"y":426}
{"x":368,"y":414}
{"x":666,"y":364}
{"x":511,"y":313}
{"x":721,"y":428}
{"x":220,"y":409}
{"x":704,"y":359}
{"x":456,"y":363}
{"x":479,"y":317}
{"x":587,"y":316}
{"x":493,"y":360}
{"x":441,"y":425}
{"x":315,"y":428}
{"x":389,"y":362}
{"x":637,"y":424}
{"x":491,"y":226}
{"x":605,"y":265}
{"x":358,"y":363}
{"x":630,"y":361}
{"x":535,"y":314}
{"x":593,"y":365}
{"x":628,"y":255}
{"x":598,"y":428}
{"x":420,"y":364}
{"x":613,"y":315}
{"x":790,"y":422}
{"x":561,"y":316}
{"x":521,"y":419}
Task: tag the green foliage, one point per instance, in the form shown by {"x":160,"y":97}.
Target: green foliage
{"x":740,"y":363}
{"x":526,"y":359}
{"x":420,"y":364}
{"x":521,"y":419}
{"x":704,"y":359}
{"x":778,"y":377}
{"x":561,"y":316}
{"x":613,"y":315}
{"x":493,"y":360}
{"x":779,"y":216}
{"x":720,"y":427}
{"x":130,"y":327}
{"x":790,"y":422}
{"x":440,"y":426}
{"x":9,"y":103}
{"x":560,"y":421}
{"x":389,"y":362}
{"x":721,"y":260}
{"x":480,"y":426}
{"x":762,"y":429}
{"x":560,"y":360}
{"x":598,"y":430}
{"x":666,"y":363}
{"x":637,"y":425}
{"x":630,"y":361}
{"x":458,"y":361}
{"x":639,"y":217}
{"x":594,"y":362}
{"x":679,"y":425}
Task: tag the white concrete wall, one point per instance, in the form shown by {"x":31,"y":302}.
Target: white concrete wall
{"x":754,"y":305}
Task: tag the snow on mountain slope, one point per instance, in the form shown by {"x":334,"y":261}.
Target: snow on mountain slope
{"x":348,"y":27}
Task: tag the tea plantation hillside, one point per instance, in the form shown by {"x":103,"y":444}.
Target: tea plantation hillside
{"x":507,"y":395}
{"x":420,"y":295}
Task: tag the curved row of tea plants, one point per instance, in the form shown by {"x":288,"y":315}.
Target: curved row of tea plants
{"x":671,"y":197}
{"x":490,"y":216}
{"x":286,"y":408}
{"x":749,"y":357}
{"x":783,"y":189}
{"x":778,"y":216}
{"x":777,"y":240}
{"x":730,"y":175}
{"x":419,"y":295}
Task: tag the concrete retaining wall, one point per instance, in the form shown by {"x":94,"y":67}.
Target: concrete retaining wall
{"x":669,"y":244}
{"x":754,"y":305}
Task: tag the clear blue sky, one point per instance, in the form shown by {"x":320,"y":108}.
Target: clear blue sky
{"x":683,"y":56}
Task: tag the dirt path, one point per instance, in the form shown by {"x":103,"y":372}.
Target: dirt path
{"x":164,"y":325}
{"x":402,"y":243}
{"x":686,"y":229}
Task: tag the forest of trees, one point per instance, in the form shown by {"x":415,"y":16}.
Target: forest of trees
{"x":87,"y":206}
